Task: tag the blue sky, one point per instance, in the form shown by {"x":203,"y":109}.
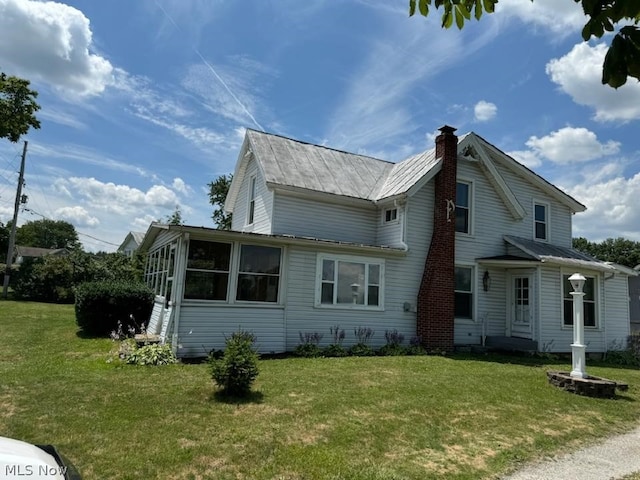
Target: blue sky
{"x":144,"y":103}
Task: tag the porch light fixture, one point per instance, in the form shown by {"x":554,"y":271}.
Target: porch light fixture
{"x":354,"y":291}
{"x":577,"y":282}
{"x":486,"y":281}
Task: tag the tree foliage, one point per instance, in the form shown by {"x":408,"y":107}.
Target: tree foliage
{"x":53,"y":278}
{"x":617,"y":250}
{"x":218,"y":190}
{"x":175,"y":218}
{"x":47,"y":234}
{"x":623,"y":57}
{"x":17,"y":107}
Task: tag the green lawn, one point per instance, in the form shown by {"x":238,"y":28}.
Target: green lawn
{"x":353,"y":418}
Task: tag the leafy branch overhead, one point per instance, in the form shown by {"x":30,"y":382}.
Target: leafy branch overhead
{"x":17,"y":107}
{"x":623,"y":57}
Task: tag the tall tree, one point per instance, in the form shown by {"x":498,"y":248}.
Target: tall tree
{"x":17,"y":107}
{"x":618,"y":250}
{"x":48,"y":234}
{"x":218,"y":190}
{"x":623,"y":57}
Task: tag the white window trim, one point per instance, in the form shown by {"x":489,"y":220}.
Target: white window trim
{"x":596,"y":296}
{"x":474,"y":292}
{"x":251,"y":204}
{"x":547,"y":207}
{"x":393,"y":221}
{"x":471,"y":231}
{"x":355,"y":259}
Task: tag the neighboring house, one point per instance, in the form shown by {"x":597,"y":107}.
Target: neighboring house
{"x":634,"y":301}
{"x":21,"y":253}
{"x":453,"y":245}
{"x":131,"y":243}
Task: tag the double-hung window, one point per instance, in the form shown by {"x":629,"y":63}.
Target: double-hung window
{"x":350,"y":282}
{"x":207,"y":276}
{"x":589,"y":302}
{"x":463,"y":207}
{"x":390,"y":215}
{"x":541,"y":221}
{"x":252,"y":201}
{"x":463,"y":292}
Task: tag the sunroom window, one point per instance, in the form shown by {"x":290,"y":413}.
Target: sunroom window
{"x":207,"y":275}
{"x":258,"y":273}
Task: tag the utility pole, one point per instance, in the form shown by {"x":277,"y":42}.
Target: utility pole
{"x":12,"y":235}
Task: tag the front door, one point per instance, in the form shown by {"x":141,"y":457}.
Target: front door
{"x":521,"y":306}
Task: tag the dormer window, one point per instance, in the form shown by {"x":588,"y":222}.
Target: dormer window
{"x":390,"y":215}
{"x":541,"y":221}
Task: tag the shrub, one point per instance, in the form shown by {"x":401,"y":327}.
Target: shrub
{"x":152,"y":354}
{"x":362,"y":348}
{"x":309,"y":345}
{"x":336,"y":349}
{"x":415,"y":347}
{"x":101,"y":305}
{"x":394,"y":343}
{"x":236,"y":371}
{"x":633,"y":344}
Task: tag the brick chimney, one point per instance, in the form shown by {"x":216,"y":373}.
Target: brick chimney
{"x":436,"y":308}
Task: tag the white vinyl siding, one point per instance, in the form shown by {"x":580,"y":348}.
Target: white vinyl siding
{"x":262,"y":203}
{"x":616,"y":311}
{"x":309,"y":218}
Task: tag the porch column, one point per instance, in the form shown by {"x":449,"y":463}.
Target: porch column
{"x":577,"y":347}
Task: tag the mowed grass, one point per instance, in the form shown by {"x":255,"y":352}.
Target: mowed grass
{"x":354,"y":418}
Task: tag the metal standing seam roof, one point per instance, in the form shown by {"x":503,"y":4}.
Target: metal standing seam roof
{"x":293,"y":163}
{"x":546,"y":252}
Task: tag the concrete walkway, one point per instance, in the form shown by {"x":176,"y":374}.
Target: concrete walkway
{"x":612,"y":459}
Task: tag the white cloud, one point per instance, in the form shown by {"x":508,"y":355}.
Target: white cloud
{"x":561,"y":18}
{"x":179,"y":185}
{"x":570,"y":145}
{"x":484,"y":111}
{"x":376,"y":105}
{"x":51,"y":41}
{"x":611,"y":207}
{"x":78,"y":216}
{"x":121,"y":199}
{"x":526,"y":157}
{"x":579,"y":74}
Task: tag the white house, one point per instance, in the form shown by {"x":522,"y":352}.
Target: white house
{"x":131,"y":243}
{"x":456,"y":245}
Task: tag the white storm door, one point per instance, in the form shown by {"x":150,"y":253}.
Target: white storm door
{"x":522,"y":306}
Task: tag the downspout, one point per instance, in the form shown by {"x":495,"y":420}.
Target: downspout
{"x":179,"y":278}
{"x":403,"y":225}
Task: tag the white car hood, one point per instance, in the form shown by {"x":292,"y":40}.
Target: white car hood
{"x":22,"y":460}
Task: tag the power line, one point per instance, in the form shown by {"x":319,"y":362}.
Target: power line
{"x":30,"y":210}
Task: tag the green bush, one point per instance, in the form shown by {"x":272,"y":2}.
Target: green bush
{"x":101,"y":305}
{"x":361,"y":350}
{"x":236,"y":371}
{"x":334,"y":350}
{"x":152,"y":354}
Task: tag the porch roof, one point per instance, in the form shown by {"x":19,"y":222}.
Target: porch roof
{"x":275,"y":239}
{"x":555,"y":255}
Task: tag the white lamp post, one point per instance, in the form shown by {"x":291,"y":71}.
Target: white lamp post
{"x":577,"y":347}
